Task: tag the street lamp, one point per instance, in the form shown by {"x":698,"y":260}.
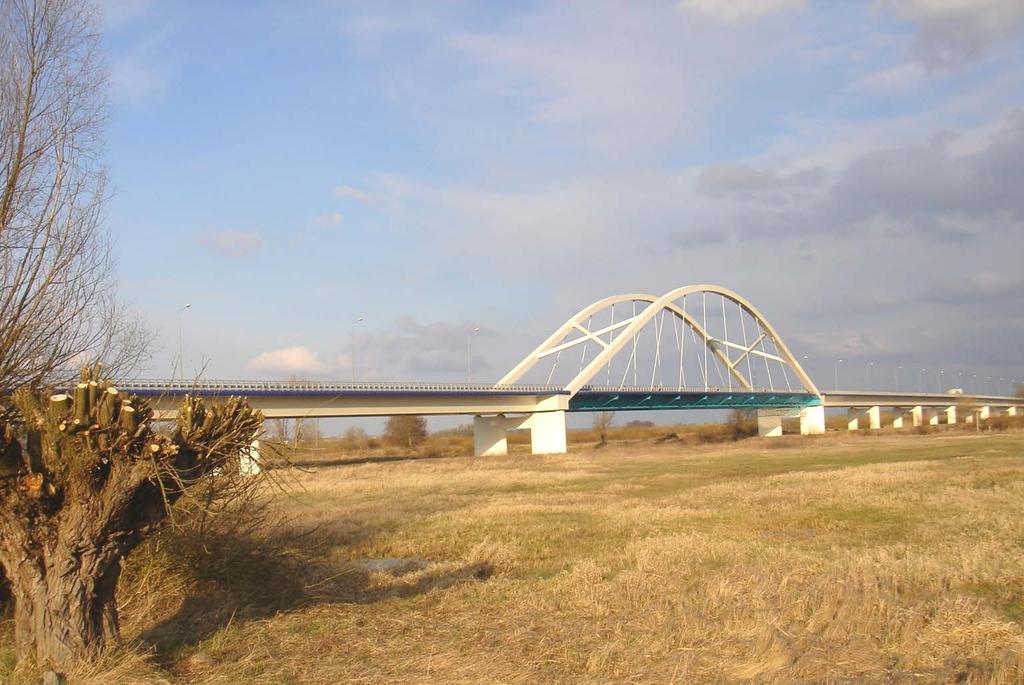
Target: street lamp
{"x":835,"y":373}
{"x":941,"y":374}
{"x":469,"y":354}
{"x":896,"y":376}
{"x":181,"y":359}
{"x":353,"y":355}
{"x":867,"y":373}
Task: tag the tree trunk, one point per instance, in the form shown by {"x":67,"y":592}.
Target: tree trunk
{"x":64,"y":604}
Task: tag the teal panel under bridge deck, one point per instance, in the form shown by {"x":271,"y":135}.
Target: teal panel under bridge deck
{"x":633,"y":399}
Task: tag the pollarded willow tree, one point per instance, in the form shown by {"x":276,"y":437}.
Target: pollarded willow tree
{"x":84,"y":478}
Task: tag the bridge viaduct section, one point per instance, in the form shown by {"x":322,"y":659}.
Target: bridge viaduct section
{"x":784,"y":390}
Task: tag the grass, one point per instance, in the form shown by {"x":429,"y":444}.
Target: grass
{"x":837,"y":559}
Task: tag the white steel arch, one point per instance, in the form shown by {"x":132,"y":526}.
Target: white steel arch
{"x":630,"y":327}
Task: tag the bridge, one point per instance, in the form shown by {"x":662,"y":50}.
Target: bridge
{"x":627,"y":352}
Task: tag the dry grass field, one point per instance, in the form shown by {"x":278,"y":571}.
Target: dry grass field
{"x":839,"y":559}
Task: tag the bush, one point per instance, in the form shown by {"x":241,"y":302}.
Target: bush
{"x":741,"y":424}
{"x":602,"y":422}
{"x":406,"y":431}
{"x":355,"y":438}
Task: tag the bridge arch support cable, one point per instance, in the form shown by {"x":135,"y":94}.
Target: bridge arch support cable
{"x":622,"y":332}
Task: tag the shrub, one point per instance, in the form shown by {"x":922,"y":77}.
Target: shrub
{"x":406,"y":431}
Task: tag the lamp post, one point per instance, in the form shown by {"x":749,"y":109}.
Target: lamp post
{"x":867,"y":374}
{"x":835,"y":373}
{"x":181,"y":346}
{"x":941,"y":374}
{"x":353,"y":355}
{"x":896,"y":376}
{"x":469,"y":353}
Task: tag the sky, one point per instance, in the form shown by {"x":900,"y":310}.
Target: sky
{"x":319,"y":178}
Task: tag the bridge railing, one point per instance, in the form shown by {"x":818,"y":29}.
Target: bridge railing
{"x":152,"y":386}
{"x":686,"y":389}
{"x":243,"y":386}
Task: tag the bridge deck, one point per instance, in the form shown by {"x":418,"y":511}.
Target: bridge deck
{"x":864,"y":398}
{"x":288,"y":399}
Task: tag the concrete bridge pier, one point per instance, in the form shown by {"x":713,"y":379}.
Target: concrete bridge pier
{"x":872,"y":417}
{"x":933,"y":417}
{"x":915,"y":414}
{"x":249,"y":460}
{"x":490,"y":436}
{"x":547,"y":433}
{"x":769,"y":423}
{"x":812,"y":420}
{"x":984,"y":413}
{"x":1011,"y":411}
{"x":951,"y":415}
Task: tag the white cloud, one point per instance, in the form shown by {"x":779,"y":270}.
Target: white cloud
{"x":232,"y":243}
{"x":143,"y":71}
{"x":409,"y":349}
{"x":287,"y":360}
{"x":350,"y":193}
{"x":892,"y":80}
{"x":612,"y":78}
{"x":332,"y":219}
{"x":722,"y":179}
{"x":953,"y":33}
{"x":735,"y":11}
{"x":135,"y":81}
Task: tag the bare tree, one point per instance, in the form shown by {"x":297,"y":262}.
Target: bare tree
{"x":602,"y":422}
{"x":83,"y":480}
{"x":57,"y":306}
{"x":407,"y":431}
{"x":295,"y":432}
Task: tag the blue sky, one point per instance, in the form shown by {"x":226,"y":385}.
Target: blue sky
{"x":852,"y":168}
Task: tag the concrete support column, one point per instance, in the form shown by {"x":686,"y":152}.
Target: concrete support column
{"x":900,"y":416}
{"x":918,"y":414}
{"x":951,"y":415}
{"x":769,"y":423}
{"x":874,"y":415}
{"x":489,"y":437}
{"x":933,"y":417}
{"x":1011,"y":411}
{"x":970,"y":418}
{"x":812,"y":421}
{"x":249,"y":460}
{"x":547,"y":432}
{"x":984,"y":413}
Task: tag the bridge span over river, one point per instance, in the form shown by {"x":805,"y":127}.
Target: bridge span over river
{"x":627,"y":352}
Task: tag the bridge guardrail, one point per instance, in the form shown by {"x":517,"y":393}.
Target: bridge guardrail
{"x":241,"y":387}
